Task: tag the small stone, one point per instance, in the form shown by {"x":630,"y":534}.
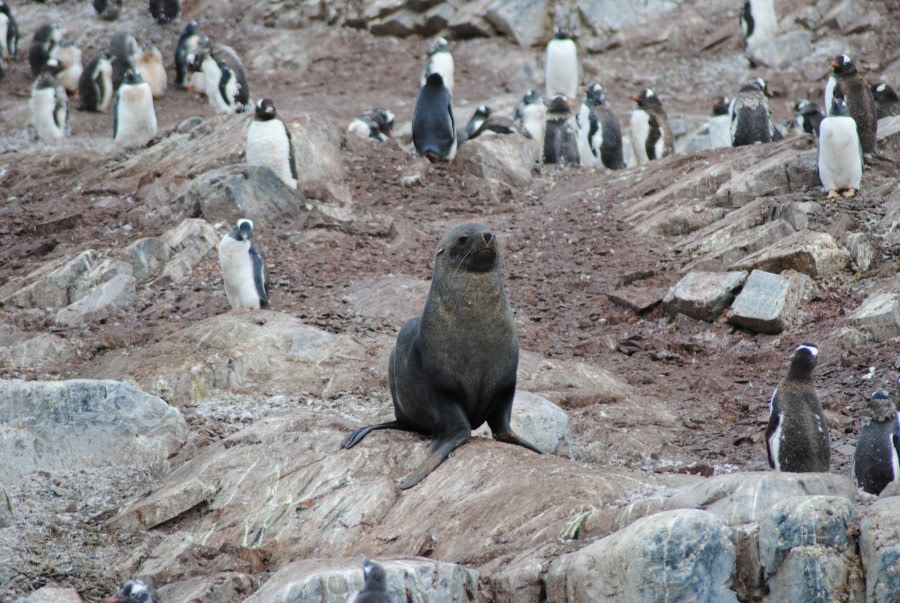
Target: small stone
{"x":879,"y":315}
{"x":797,"y":214}
{"x":770,"y":303}
{"x":703,"y":295}
{"x":861,"y":251}
{"x":636,"y":299}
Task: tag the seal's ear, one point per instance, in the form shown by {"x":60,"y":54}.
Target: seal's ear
{"x":439,"y":252}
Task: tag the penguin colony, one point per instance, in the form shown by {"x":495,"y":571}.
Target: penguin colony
{"x":797,"y":434}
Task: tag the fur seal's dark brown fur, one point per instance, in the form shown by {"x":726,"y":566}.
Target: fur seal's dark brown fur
{"x":454,"y":367}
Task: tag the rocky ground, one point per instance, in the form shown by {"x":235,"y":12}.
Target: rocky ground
{"x":573,"y":243}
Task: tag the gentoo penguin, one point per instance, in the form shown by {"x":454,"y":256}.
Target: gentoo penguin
{"x":840,"y":153}
{"x":750,"y":115}
{"x":165,"y":10}
{"x":719,"y":123}
{"x":808,"y":116}
{"x":845,"y":81}
{"x":226,"y":83}
{"x":561,"y":67}
{"x":49,"y":107}
{"x":123,"y":49}
{"x":95,"y":90}
{"x":108,"y":10}
{"x":887,"y":102}
{"x":188,"y":42}
{"x":134,"y":121}
{"x":134,"y":591}
{"x":374,"y":588}
{"x":530,"y":115}
{"x":797,"y":433}
{"x":484,"y":126}
{"x":9,"y":32}
{"x":42,"y":44}
{"x":560,"y":133}
{"x":376,"y":124}
{"x":482,"y":112}
{"x":243,"y":268}
{"x":68,"y":55}
{"x":651,"y":135}
{"x":149,"y":64}
{"x":758,"y":24}
{"x":439,"y":60}
{"x":599,"y":133}
{"x":433,"y":125}
{"x":876,"y":462}
{"x":269,"y":143}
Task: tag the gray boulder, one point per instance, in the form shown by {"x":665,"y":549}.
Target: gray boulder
{"x":209,"y":588}
{"x":53,"y":594}
{"x":526,"y":22}
{"x":685,"y":555}
{"x":49,"y":286}
{"x":104,"y":301}
{"x":814,"y":253}
{"x":69,"y":424}
{"x":703,"y":295}
{"x":879,"y":316}
{"x":147,"y":257}
{"x":542,"y":423}
{"x":508,"y":158}
{"x":320,"y":163}
{"x":610,"y":16}
{"x":770,"y":303}
{"x":784,"y":50}
{"x":879,"y":547}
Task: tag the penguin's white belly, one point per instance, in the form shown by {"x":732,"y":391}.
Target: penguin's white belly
{"x":237,"y":273}
{"x":561,"y":71}
{"x":765,"y":22}
{"x":895,"y":459}
{"x":584,"y":130}
{"x":829,"y":93}
{"x":533,"y":122}
{"x":719,"y":131}
{"x":106,"y":94}
{"x":211,"y":76}
{"x":197,"y":82}
{"x":840,"y":163}
{"x":68,"y":77}
{"x":135,"y":117}
{"x":775,"y":443}
{"x":441,"y":62}
{"x":43,"y":104}
{"x":268,"y":144}
{"x":359,"y":128}
{"x":4,"y":27}
{"x":640,"y":131}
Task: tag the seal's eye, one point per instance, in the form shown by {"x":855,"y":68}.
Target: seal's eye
{"x":463,"y":240}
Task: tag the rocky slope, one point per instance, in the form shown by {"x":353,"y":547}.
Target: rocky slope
{"x":657,"y":307}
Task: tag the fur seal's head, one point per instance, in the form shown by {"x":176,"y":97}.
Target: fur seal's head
{"x":470,"y":247}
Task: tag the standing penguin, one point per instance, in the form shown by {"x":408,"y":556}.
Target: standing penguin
{"x":530,"y":115}
{"x":188,"y":42}
{"x":845,"y":81}
{"x":876,"y":462}
{"x":269,"y":143}
{"x":123,"y":49}
{"x":135,"y":591}
{"x":165,"y":10}
{"x":560,"y":133}
{"x":840,"y":154}
{"x":376,"y":124}
{"x":9,"y":32}
{"x":149,"y":63}
{"x":719,"y":124}
{"x":374,"y":588}
{"x":439,"y":60}
{"x":95,"y":90}
{"x":651,"y":135}
{"x":599,"y":133}
{"x":808,"y":117}
{"x":68,"y":55}
{"x":243,"y":268}
{"x":108,"y":10}
{"x":49,"y":107}
{"x":797,"y":433}
{"x":42,"y":44}
{"x":887,"y":102}
{"x":750,"y":115}
{"x":433,"y":125}
{"x":134,"y":121}
{"x":561,"y":68}
{"x":226,"y":83}
{"x":759,"y":24}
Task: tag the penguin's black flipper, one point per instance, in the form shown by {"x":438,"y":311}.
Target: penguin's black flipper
{"x":774,"y":420}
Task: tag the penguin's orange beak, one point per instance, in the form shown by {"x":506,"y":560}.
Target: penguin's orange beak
{"x":769,"y":93}
{"x":635,"y":98}
{"x":833,"y":64}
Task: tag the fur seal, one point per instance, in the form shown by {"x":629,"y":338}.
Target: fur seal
{"x":374,"y":588}
{"x":797,"y":433}
{"x":840,"y":159}
{"x":876,"y":461}
{"x":454,"y":367}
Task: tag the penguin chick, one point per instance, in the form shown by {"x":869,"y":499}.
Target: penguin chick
{"x":165,"y":10}
{"x":134,"y":121}
{"x":750,"y":115}
{"x":560,"y":138}
{"x":188,"y":42}
{"x":149,"y":64}
{"x":719,"y":123}
{"x":797,"y":434}
{"x":269,"y":143}
{"x":808,"y":116}
{"x":243,"y":268}
{"x":49,"y":107}
{"x":876,"y":461}
{"x":599,"y":132}
{"x":377,"y":124}
{"x":135,"y":591}
{"x":840,"y":158}
{"x":530,"y":115}
{"x":651,"y":135}
{"x":439,"y":60}
{"x":9,"y":32}
{"x":95,"y":90}
{"x":433,"y":125}
{"x":122,"y":51}
{"x":561,"y":66}
{"x":42,"y":45}
{"x":374,"y":588}
{"x":108,"y":10}
{"x":887,"y":102}
{"x":68,"y":55}
{"x":226,"y":83}
{"x":845,"y":81}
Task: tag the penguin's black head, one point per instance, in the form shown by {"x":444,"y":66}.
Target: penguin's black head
{"x":757,"y":84}
{"x":132,"y":77}
{"x":265,"y":109}
{"x":562,"y":33}
{"x":531,"y":97}
{"x":243,"y":230}
{"x":439,"y":45}
{"x":838,"y":107}
{"x":470,"y":247}
{"x":191,"y":28}
{"x":435,"y":80}
{"x":647,"y":98}
{"x":594,"y":94}
{"x":375,"y":577}
{"x":842,"y":65}
{"x":135,"y":591}
{"x":558,"y":104}
{"x":482,"y":111}
{"x":804,"y":360}
{"x":884,"y":93}
{"x":385,"y":120}
{"x":720,"y":105}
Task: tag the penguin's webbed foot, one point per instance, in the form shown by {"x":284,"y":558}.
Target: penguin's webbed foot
{"x":850,"y":192}
{"x":832,"y":194}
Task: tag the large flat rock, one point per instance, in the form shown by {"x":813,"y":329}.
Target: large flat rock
{"x":813,"y":253}
{"x":770,"y":303}
{"x":703,"y":295}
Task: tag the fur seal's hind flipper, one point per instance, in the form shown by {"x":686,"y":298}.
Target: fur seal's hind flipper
{"x":440,"y":450}
{"x":510,"y":437}
{"x":356,"y":437}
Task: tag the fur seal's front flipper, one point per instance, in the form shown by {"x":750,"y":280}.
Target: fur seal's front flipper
{"x":356,"y":437}
{"x":510,"y":437}
{"x":440,"y":450}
